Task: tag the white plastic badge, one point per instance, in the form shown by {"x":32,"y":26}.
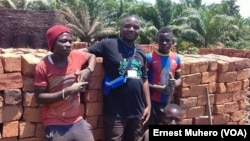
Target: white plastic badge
{"x":132,"y":73}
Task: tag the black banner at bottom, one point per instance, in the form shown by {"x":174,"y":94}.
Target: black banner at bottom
{"x":216,"y":132}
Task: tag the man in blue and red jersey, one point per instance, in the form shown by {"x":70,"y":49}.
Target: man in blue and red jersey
{"x":164,"y":73}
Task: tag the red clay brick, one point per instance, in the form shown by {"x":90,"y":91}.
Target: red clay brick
{"x":93,"y":121}
{"x":28,"y":83}
{"x":237,"y":115}
{"x":10,"y":129}
{"x":26,"y":129}
{"x":226,"y":77}
{"x":196,"y":111}
{"x":198,"y":66}
{"x":29,"y":62}
{"x":98,"y":71}
{"x":94,"y":109}
{"x":223,"y":98}
{"x":33,"y":139}
{"x":216,"y":51}
{"x":202,"y":99}
{"x":204,"y":51}
{"x":212,"y":87}
{"x":203,"y":120}
{"x":213,"y":65}
{"x":188,"y":102}
{"x":31,"y":114}
{"x":231,"y":107}
{"x":12,"y":96}
{"x":184,"y":113}
{"x":1,"y":118}
{"x":29,"y":99}
{"x":98,"y":134}
{"x":183,"y":92}
{"x":91,"y":96}
{"x":239,"y":95}
{"x":185,"y":68}
{"x":242,"y":105}
{"x":234,"y":86}
{"x":245,"y":84}
{"x":191,"y":79}
{"x":243,"y":74}
{"x":186,"y":121}
{"x":9,"y":139}
{"x":198,"y":90}
{"x":223,"y":66}
{"x":207,"y":77}
{"x":1,"y":96}
{"x":95,"y":83}
{"x":100,"y":122}
{"x":221,"y":119}
{"x":11,"y":62}
{"x":11,"y":81}
{"x":15,"y":114}
{"x":219,"y":109}
{"x":40,"y":130}
{"x":221,"y":88}
{"x":1,"y":67}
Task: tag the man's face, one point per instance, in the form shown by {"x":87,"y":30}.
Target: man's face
{"x":165,"y":42}
{"x":130,"y":29}
{"x":171,"y":117}
{"x":62,"y":45}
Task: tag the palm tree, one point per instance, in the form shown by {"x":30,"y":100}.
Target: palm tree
{"x":81,"y":25}
{"x":189,"y":26}
{"x":147,"y":33}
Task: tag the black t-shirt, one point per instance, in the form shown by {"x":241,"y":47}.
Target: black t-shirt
{"x":126,"y":101}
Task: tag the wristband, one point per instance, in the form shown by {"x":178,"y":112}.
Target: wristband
{"x":89,"y":69}
{"x":63,"y":96}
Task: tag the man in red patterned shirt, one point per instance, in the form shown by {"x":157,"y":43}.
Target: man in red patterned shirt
{"x":58,"y":87}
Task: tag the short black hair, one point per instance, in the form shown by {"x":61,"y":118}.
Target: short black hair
{"x":173,"y":106}
{"x":163,"y":30}
{"x":130,"y":16}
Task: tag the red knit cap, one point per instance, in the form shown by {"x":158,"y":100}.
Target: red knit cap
{"x":53,"y":33}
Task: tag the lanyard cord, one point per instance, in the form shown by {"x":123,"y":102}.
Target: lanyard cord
{"x":131,"y":53}
{"x":128,"y":50}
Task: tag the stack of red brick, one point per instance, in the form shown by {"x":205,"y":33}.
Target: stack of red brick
{"x":20,"y":117}
{"x":227,"y":80}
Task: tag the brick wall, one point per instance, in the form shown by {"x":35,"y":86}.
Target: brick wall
{"x":225,"y":78}
{"x":22,"y":28}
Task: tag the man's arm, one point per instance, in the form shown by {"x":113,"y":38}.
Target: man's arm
{"x":83,"y":49}
{"x":177,"y":78}
{"x":91,"y":62}
{"x":85,"y":73}
{"x":146,"y":93}
{"x":43,"y":97}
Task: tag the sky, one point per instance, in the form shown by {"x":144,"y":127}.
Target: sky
{"x":244,"y":5}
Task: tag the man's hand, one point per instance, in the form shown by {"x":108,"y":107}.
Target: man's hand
{"x":169,"y":89}
{"x":83,"y":75}
{"x":76,"y":88}
{"x":146,"y":115}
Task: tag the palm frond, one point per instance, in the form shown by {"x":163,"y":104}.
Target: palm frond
{"x":76,"y":29}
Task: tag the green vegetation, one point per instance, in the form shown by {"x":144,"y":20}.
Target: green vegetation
{"x":194,"y":25}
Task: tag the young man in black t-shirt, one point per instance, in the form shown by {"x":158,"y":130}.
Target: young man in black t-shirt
{"x":126,"y":108}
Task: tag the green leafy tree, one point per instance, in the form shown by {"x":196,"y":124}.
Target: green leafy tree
{"x":79,"y":21}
